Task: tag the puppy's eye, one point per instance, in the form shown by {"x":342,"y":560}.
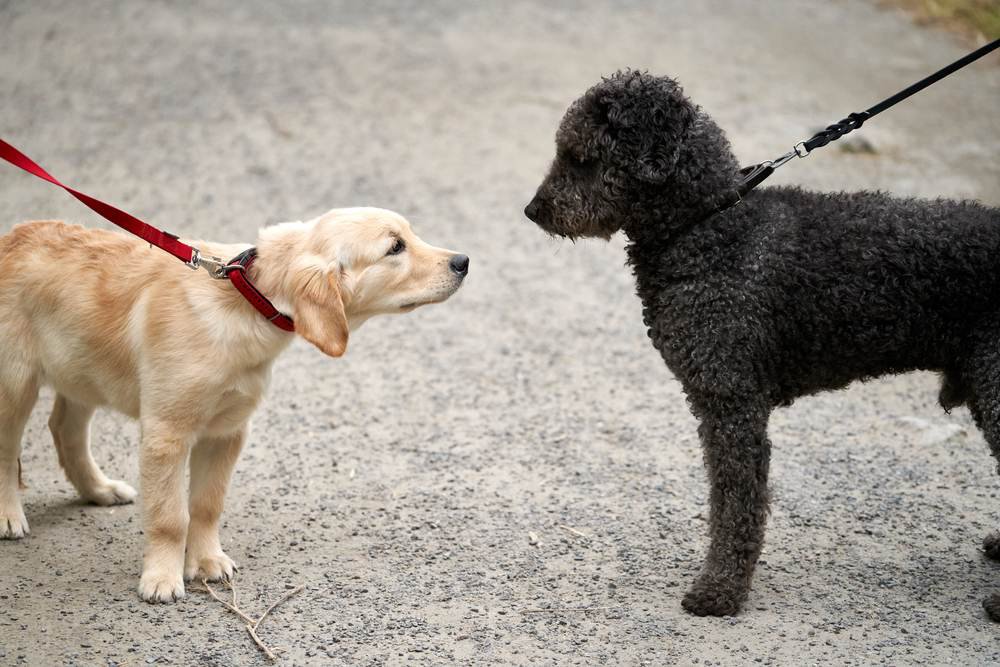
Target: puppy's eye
{"x":397,"y":247}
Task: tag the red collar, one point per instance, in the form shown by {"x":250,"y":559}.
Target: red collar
{"x":235,"y":270}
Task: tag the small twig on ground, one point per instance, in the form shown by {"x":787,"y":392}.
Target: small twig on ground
{"x":556,"y":610}
{"x":271,"y":655}
{"x":575,"y":532}
{"x":228,"y":606}
{"x":252,"y":624}
{"x":294,"y":591}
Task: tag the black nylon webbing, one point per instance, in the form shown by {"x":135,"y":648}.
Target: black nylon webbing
{"x":753,"y":176}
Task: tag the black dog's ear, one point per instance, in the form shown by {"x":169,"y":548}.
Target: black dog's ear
{"x":598,"y":130}
{"x":651,"y":120}
{"x":658,"y":151}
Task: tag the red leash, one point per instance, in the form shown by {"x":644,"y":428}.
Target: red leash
{"x":235,"y":270}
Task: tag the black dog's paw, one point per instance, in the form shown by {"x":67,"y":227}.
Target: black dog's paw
{"x":991,"y":545}
{"x":714,"y":599}
{"x":992,"y":607}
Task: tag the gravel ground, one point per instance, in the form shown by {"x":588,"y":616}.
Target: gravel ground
{"x":521,"y":447}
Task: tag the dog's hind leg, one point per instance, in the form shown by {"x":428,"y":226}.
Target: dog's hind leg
{"x":18,"y":393}
{"x":70,"y":427}
{"x":982,"y":371}
{"x":737,"y":455}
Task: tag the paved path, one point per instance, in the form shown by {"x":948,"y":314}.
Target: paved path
{"x":401,"y":483}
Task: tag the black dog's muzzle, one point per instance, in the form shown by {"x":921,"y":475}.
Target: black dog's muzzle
{"x":534,"y":209}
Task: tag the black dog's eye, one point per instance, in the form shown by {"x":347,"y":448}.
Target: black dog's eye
{"x":571,"y":156}
{"x":575,"y":159}
{"x":397,"y":247}
{"x":583,"y":162}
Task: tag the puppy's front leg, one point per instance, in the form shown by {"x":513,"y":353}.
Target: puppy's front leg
{"x":162,"y":456}
{"x":737,"y":456}
{"x":212,"y":461}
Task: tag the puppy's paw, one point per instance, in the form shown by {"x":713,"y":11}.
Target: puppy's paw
{"x":111,"y":493}
{"x":210,"y":567}
{"x":714,"y":598}
{"x":161,"y":587}
{"x":991,"y":546}
{"x":13,"y":525}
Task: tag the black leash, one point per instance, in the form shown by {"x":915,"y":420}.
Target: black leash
{"x":755,"y":175}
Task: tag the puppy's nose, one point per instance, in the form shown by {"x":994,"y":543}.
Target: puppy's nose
{"x":532,"y":209}
{"x":459,"y":264}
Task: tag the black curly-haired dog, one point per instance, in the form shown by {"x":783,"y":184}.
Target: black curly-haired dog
{"x":786,"y":294}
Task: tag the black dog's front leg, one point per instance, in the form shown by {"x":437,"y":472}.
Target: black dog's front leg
{"x":737,"y":455}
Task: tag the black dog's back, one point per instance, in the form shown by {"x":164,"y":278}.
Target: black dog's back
{"x":811,"y":291}
{"x":864,"y":284}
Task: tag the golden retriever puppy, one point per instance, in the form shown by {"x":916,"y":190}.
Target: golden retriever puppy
{"x":106,"y":320}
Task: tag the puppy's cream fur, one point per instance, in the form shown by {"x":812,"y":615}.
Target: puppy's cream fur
{"x":106,"y":320}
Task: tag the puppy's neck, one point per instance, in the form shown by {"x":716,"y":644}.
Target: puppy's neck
{"x":260,"y":340}
{"x":277,"y":247}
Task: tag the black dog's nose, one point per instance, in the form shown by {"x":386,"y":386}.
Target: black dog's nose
{"x":532,"y":209}
{"x":459,"y":264}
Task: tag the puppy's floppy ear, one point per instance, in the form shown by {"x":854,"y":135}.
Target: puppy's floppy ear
{"x":319,"y":307}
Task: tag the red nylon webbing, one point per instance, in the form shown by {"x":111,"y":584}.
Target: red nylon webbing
{"x":126,"y":221}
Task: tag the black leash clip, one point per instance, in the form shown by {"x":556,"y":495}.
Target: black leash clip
{"x":754,"y":176}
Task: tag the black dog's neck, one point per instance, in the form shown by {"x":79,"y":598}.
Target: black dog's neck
{"x":709,"y":172}
{"x":661,"y":246}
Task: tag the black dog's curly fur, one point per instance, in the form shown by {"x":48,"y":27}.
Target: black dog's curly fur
{"x":786,"y":294}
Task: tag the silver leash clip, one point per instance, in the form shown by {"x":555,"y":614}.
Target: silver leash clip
{"x":783,"y":159}
{"x":215,"y":266}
